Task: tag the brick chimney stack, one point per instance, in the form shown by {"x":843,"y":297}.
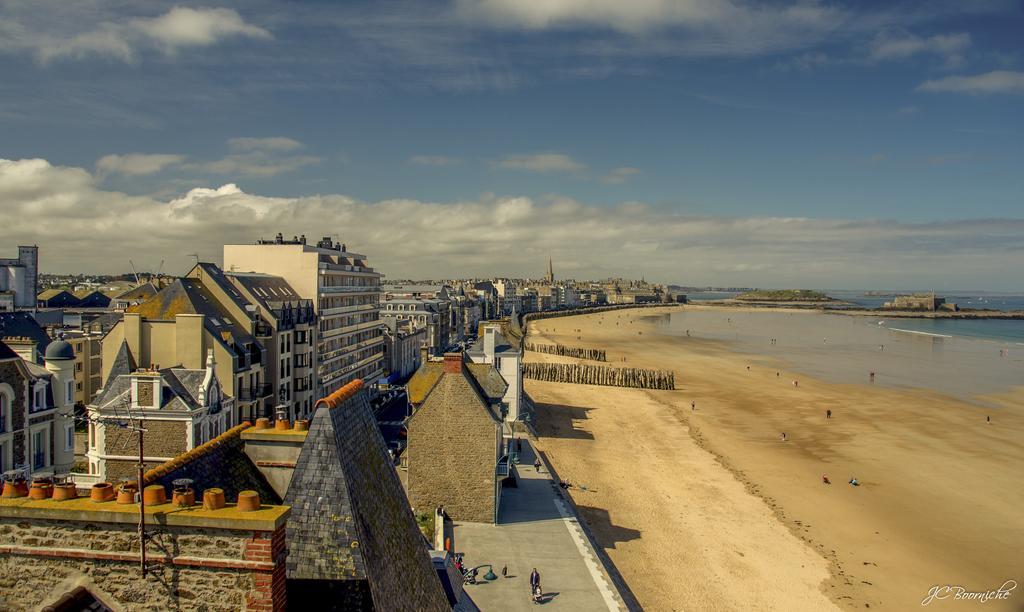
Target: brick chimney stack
{"x":453,"y":363}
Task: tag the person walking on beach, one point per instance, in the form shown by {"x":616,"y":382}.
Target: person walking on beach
{"x":693,"y":406}
{"x":828,"y":414}
{"x":783,"y":436}
{"x":825,"y":480}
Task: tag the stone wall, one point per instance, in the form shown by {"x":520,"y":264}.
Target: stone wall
{"x":11,"y":374}
{"x":452,"y":453}
{"x":163,"y":439}
{"x":194,"y":568}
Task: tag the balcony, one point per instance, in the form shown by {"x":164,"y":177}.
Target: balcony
{"x":333,"y":267}
{"x":349,"y":329}
{"x":328,"y":312}
{"x":369,"y":289}
{"x":252,"y":394}
{"x":326,"y":358}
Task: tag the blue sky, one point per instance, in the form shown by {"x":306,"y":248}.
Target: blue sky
{"x":663,"y":114}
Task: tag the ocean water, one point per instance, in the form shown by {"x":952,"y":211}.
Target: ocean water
{"x":997,"y":330}
{"x":846,"y":349}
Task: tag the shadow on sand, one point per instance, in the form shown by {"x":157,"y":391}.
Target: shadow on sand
{"x":601,"y":525}
{"x":556,"y":420}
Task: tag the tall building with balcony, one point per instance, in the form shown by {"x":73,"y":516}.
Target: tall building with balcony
{"x":345,"y":292}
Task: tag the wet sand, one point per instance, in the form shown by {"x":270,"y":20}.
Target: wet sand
{"x":709,"y":509}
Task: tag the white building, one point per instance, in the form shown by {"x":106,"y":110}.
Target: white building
{"x":495,"y":349}
{"x":19,"y":279}
{"x":346,"y":296}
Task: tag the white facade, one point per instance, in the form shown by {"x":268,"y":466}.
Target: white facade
{"x":19,"y":279}
{"x":494,"y":349}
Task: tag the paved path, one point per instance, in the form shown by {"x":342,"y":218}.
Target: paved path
{"x":535,"y":529}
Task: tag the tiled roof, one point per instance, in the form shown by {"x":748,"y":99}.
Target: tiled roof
{"x":457,"y":389}
{"x":350,"y":518}
{"x":189,"y":296}
{"x":141,"y":292}
{"x":221,"y":463}
{"x":488,"y":379}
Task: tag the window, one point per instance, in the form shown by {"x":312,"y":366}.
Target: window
{"x":39,"y":450}
{"x":69,"y":395}
{"x":69,"y":437}
{"x":5,"y":410}
{"x":5,"y":463}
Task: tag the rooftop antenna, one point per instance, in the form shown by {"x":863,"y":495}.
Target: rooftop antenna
{"x":132,"y":264}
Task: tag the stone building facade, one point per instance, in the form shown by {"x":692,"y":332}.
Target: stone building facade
{"x":455,"y":445}
{"x":218,"y":560}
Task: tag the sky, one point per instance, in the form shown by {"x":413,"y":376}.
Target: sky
{"x":789,"y":143}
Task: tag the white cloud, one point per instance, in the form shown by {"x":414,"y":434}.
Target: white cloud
{"x":997,"y":81}
{"x":137,"y":164}
{"x":641,"y":15}
{"x":543,"y":162}
{"x":620,"y":175}
{"x":433,"y":160}
{"x":273,"y":143}
{"x":894,"y":45}
{"x":82,"y":227}
{"x":177,"y":29}
{"x":262,"y":157}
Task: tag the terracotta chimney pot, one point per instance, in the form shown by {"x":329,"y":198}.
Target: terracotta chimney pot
{"x":213,"y":499}
{"x":40,"y":490}
{"x":302,"y":425}
{"x":102,"y":492}
{"x":282,"y":424}
{"x":154,"y":495}
{"x":262,"y":423}
{"x":62,"y":492}
{"x":248,"y":501}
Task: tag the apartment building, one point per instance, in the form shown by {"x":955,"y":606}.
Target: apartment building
{"x":345,"y":292}
{"x":293,"y":327}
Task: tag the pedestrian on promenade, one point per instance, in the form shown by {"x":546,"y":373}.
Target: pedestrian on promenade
{"x":536,"y":465}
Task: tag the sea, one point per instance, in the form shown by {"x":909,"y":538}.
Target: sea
{"x":965,"y":359}
{"x":1008,"y":331}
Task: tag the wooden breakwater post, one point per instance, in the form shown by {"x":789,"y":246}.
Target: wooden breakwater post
{"x":584,"y":374}
{"x":568,"y":351}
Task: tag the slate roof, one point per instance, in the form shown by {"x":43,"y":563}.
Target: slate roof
{"x":501,"y":345}
{"x":491,"y":384}
{"x":13,"y":324}
{"x":124,"y":362}
{"x":6,"y":352}
{"x":140,"y":292}
{"x":179,"y":387}
{"x":350,"y":519}
{"x":221,"y":463}
{"x":189,"y":296}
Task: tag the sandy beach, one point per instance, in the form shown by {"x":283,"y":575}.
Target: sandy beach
{"x":709,"y":509}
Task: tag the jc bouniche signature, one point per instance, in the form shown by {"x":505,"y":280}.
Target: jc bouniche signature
{"x":958,"y":592}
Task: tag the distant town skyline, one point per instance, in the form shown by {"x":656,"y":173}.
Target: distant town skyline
{"x":789,"y":144}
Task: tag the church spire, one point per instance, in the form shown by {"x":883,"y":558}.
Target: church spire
{"x":551,"y":271}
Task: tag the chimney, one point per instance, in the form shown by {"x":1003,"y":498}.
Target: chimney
{"x":489,"y":342}
{"x":453,"y":363}
{"x":424,"y":354}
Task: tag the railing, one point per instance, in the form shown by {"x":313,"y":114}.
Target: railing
{"x":501,"y":468}
{"x":327,"y":312}
{"x":255,"y":393}
{"x":350,"y":290}
{"x":350,"y":329}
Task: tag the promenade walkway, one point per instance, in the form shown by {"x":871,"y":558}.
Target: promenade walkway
{"x":535,"y":530}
